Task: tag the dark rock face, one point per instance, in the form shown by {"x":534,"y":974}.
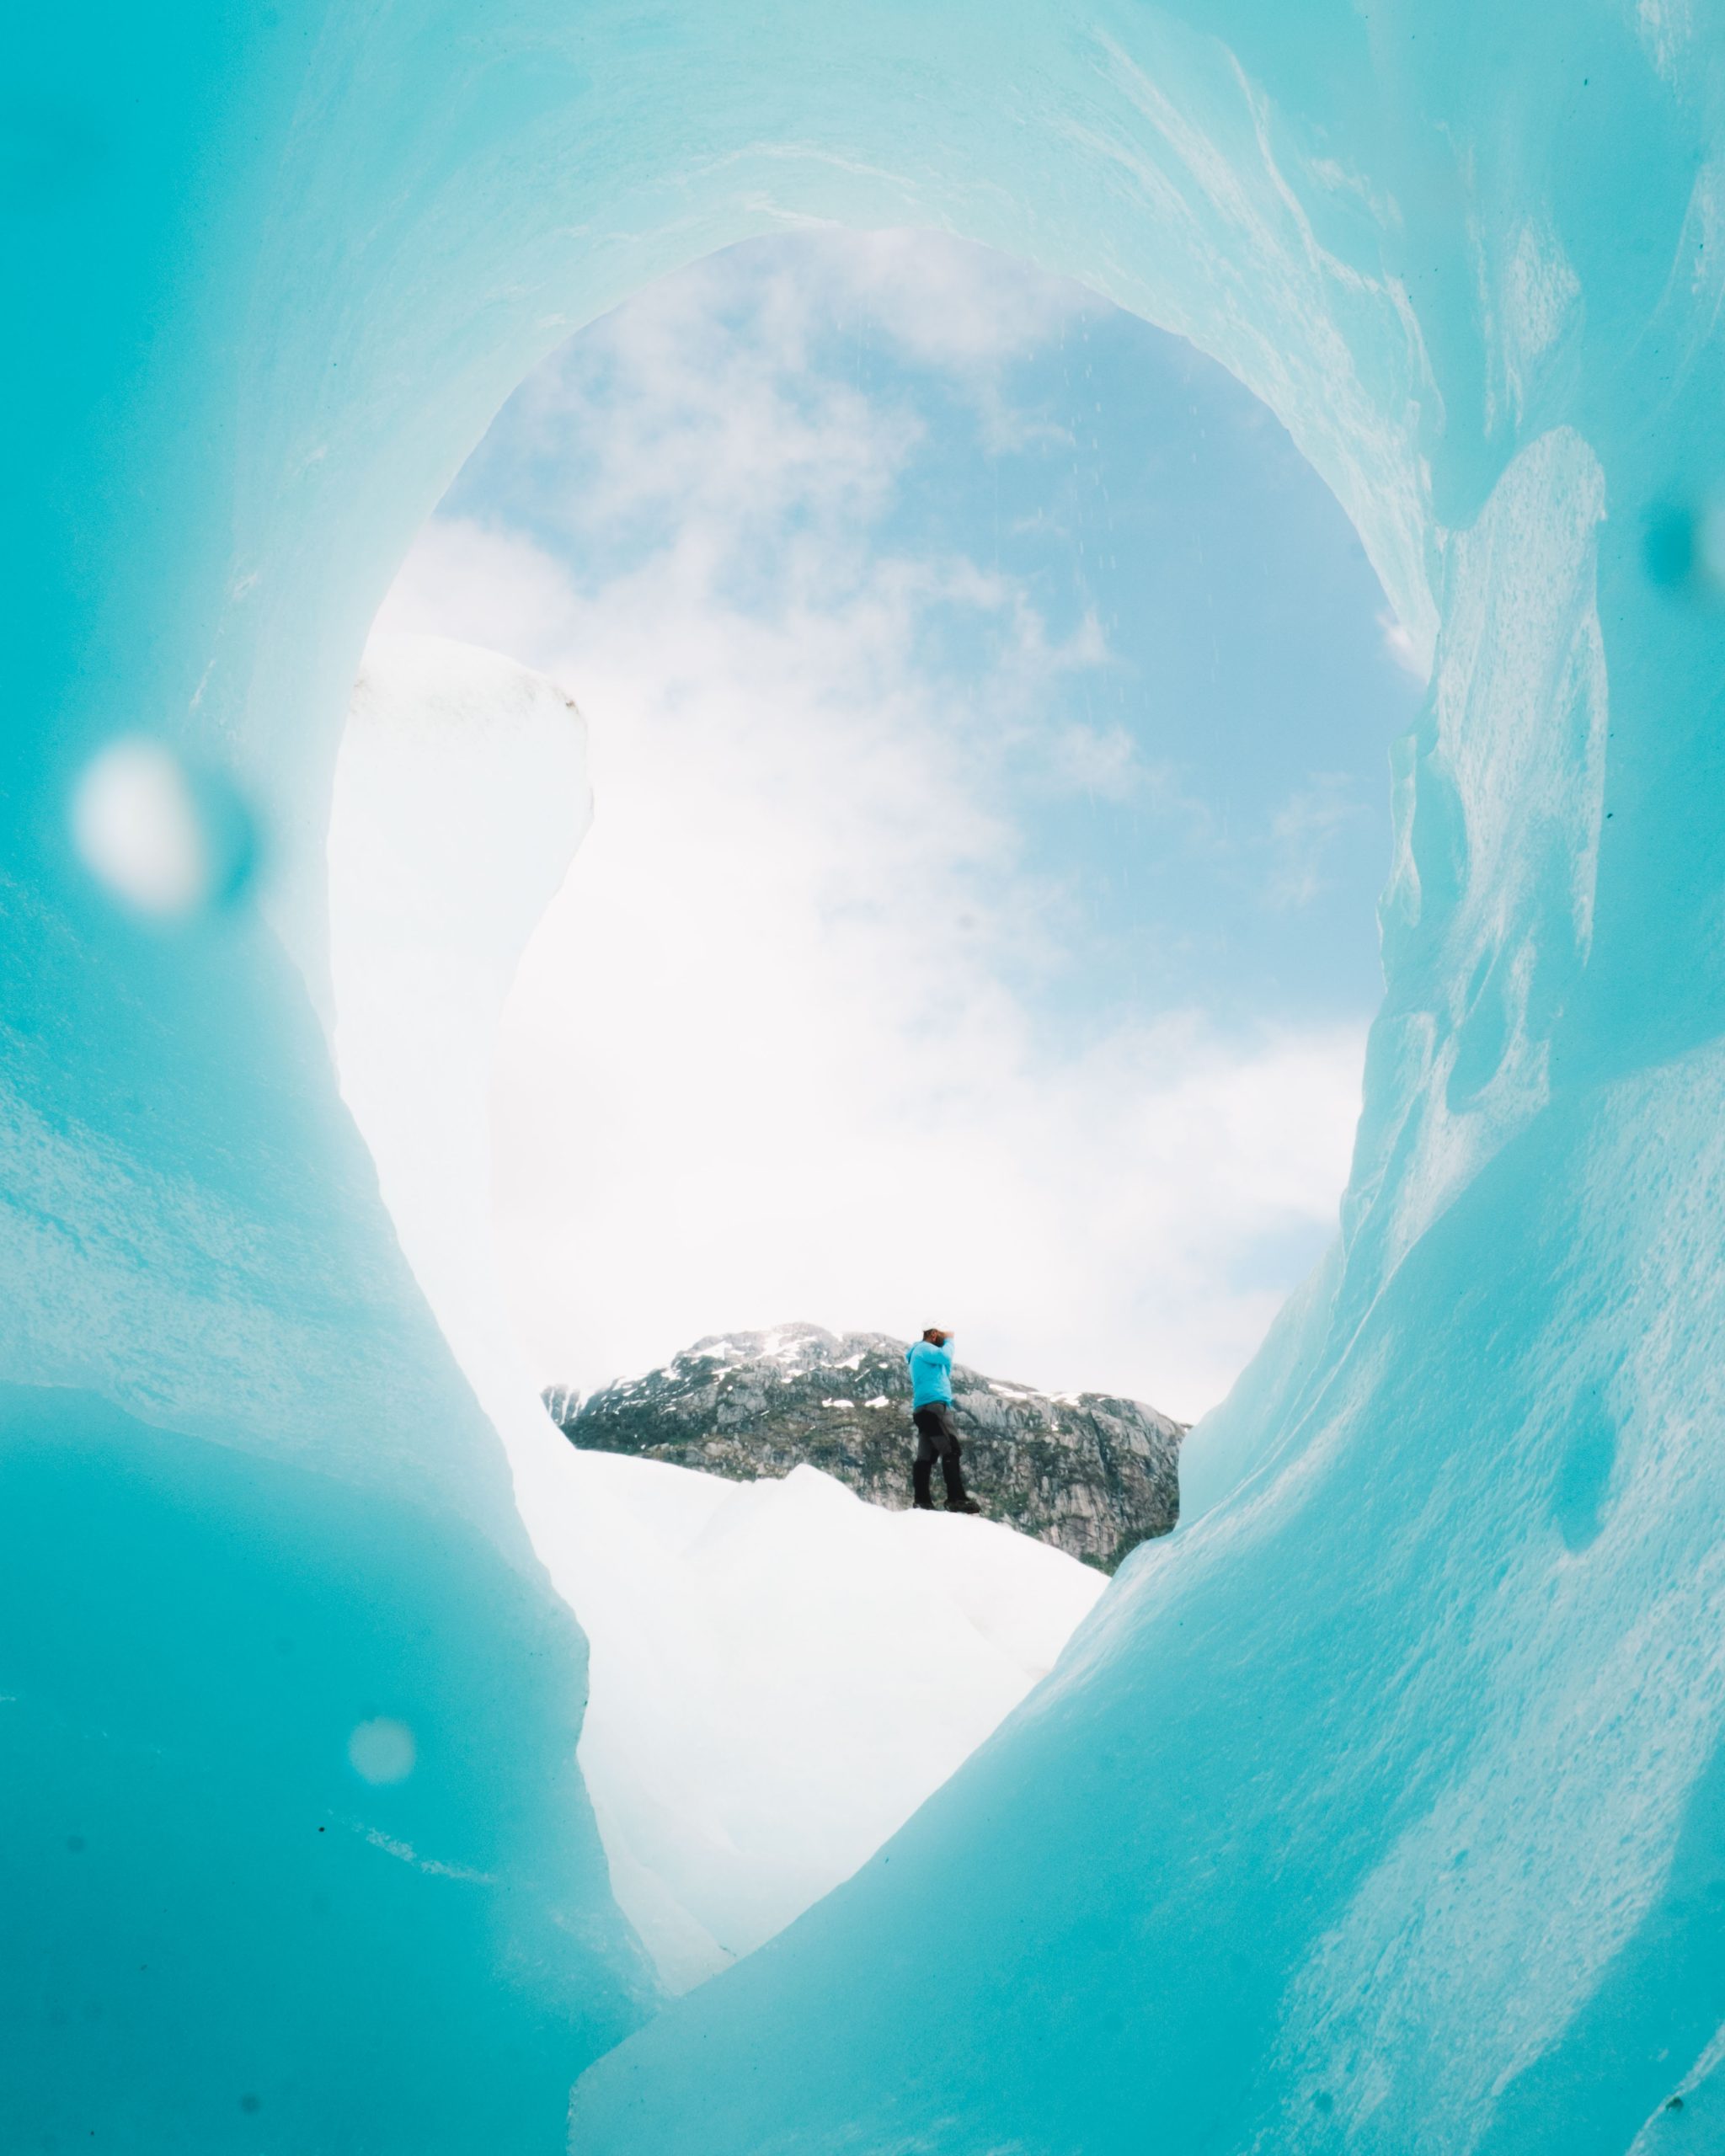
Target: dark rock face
{"x":1092,"y":1474}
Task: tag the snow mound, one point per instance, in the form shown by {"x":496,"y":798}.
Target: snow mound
{"x":780,"y":1673}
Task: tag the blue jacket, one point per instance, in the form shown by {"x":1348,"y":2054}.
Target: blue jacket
{"x":931,"y":1375}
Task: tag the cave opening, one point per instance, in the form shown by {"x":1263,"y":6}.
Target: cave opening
{"x":1387,"y":1787}
{"x":959,"y":898}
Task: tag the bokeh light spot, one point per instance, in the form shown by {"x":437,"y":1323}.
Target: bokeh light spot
{"x":382,"y":1750}
{"x":1684,"y":548}
{"x":168,"y":841}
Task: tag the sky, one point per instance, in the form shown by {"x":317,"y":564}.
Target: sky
{"x":989,"y":715}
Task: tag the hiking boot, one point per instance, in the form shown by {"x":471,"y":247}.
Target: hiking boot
{"x":922,"y":1504}
{"x":964,"y":1505}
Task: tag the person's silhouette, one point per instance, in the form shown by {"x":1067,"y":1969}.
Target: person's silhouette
{"x":931,"y":1361}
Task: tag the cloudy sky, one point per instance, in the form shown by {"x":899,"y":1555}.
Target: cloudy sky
{"x":989,"y":715}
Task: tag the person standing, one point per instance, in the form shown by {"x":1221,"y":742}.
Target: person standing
{"x":931,"y":1361}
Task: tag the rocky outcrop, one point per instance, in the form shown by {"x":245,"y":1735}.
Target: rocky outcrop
{"x":1090,"y":1474}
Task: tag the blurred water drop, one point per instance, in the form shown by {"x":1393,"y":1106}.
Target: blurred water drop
{"x":1710,"y":546}
{"x":167,"y":841}
{"x":1686,"y":548}
{"x":382,"y":1750}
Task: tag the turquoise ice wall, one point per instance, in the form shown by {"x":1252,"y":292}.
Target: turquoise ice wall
{"x":1382,"y":1810}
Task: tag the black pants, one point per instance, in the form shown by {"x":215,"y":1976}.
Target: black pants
{"x":939,"y":1441}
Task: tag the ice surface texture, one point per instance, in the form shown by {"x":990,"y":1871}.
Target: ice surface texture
{"x":1383,"y":1809}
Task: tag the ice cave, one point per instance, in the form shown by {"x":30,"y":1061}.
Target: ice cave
{"x":1382,"y":1806}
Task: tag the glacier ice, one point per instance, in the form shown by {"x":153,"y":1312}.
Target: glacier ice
{"x":1380,"y":1809}
{"x":296,"y":1851}
{"x":459,"y":799}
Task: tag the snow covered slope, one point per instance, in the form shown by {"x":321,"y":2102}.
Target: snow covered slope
{"x":780,"y":1674}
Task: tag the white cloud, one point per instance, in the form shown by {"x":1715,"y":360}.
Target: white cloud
{"x":954,"y":306}
{"x":1399,"y":643}
{"x":948,"y":301}
{"x":763,"y":1062}
{"x":1302,"y":832}
{"x":771,"y":1055}
{"x":700,"y":395}
{"x":1098,"y":760}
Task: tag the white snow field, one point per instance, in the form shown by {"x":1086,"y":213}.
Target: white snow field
{"x":780,"y":1673}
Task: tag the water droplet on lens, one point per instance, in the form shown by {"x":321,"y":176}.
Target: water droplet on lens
{"x":1710,"y":546}
{"x":167,"y":839}
{"x":382,"y":1751}
{"x":1686,"y":548}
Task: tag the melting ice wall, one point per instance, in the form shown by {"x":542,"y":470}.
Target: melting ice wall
{"x":1381,"y":1810}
